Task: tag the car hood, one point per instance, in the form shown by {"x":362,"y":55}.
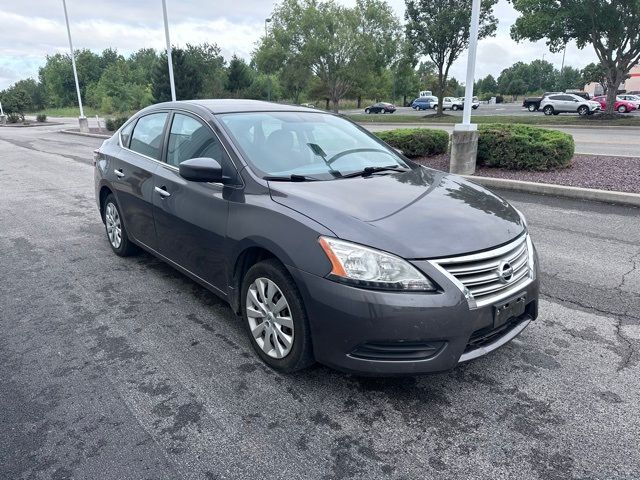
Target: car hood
{"x":422,"y":213}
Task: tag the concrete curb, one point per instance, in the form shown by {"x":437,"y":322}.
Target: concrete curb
{"x":82,"y":134}
{"x":620,"y":198}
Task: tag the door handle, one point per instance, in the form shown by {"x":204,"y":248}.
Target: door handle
{"x":119,"y":173}
{"x":162,"y":191}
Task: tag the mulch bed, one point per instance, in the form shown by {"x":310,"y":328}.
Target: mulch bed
{"x":588,"y":171}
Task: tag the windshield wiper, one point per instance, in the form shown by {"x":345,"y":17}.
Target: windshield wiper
{"x":294,"y":177}
{"x":366,"y":171}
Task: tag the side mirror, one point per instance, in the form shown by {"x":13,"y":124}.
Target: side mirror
{"x":201,"y":170}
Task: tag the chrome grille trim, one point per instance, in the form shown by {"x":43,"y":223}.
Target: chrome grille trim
{"x":477,"y":275}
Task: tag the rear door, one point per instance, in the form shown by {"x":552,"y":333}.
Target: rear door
{"x":191,"y":217}
{"x":133,"y":175}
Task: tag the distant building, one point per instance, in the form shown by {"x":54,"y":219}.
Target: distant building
{"x":631,"y":84}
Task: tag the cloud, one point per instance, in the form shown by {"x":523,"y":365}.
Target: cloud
{"x":236,"y":26}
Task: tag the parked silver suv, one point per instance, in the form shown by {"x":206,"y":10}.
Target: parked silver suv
{"x":569,"y":103}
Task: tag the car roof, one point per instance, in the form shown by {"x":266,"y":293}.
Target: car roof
{"x":234,"y":105}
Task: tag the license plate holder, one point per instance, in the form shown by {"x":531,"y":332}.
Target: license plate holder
{"x":505,"y":311}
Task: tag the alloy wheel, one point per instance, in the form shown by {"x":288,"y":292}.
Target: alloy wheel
{"x":113,"y":224}
{"x":270,"y":318}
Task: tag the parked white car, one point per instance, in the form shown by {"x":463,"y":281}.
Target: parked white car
{"x":452,"y":103}
{"x":568,"y":103}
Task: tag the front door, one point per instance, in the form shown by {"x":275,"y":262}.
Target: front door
{"x":191,"y":217}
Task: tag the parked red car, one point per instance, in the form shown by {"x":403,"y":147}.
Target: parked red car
{"x":621,"y":106}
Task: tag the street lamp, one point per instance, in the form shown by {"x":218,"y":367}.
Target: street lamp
{"x":266,"y":20}
{"x":82,"y":120}
{"x":464,"y":141}
{"x":169,"y":61}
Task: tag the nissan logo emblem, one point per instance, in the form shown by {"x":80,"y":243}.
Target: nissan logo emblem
{"x":505,"y":271}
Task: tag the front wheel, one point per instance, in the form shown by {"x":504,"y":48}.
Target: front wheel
{"x":367,"y":111}
{"x":115,"y":229}
{"x":455,"y":107}
{"x":622,"y":109}
{"x":275,"y":317}
{"x":548,"y":110}
{"x":532,"y":108}
{"x":583,"y":110}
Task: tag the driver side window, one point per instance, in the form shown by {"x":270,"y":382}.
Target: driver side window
{"x":190,"y":138}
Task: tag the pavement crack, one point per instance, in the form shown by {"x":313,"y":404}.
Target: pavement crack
{"x":634,"y":266}
{"x":628,"y":354}
{"x":628,"y":346}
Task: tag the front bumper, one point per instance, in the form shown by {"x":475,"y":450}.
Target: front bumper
{"x":390,"y":333}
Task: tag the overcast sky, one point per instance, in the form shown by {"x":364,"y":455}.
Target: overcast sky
{"x":31,"y":29}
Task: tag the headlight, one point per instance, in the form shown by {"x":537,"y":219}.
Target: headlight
{"x":365,"y":267}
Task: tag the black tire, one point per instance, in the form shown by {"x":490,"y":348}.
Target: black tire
{"x":367,"y":111}
{"x":125,"y":248}
{"x":548,"y":110}
{"x":622,"y":109}
{"x":301,"y":354}
{"x":583,"y":110}
{"x":532,"y":107}
{"x":455,"y":107}
{"x":475,"y":107}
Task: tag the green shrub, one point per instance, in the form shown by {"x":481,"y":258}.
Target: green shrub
{"x":41,"y":117}
{"x":499,"y":99}
{"x":15,"y":117}
{"x":114,"y":124}
{"x":522,"y":147}
{"x":416,"y":142}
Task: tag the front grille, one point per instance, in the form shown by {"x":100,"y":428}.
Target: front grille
{"x":490,"y":276}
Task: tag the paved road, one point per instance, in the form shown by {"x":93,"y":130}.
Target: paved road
{"x":116,"y":368}
{"x":618,"y":141}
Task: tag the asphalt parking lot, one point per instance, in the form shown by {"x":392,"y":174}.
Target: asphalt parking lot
{"x":115,"y":368}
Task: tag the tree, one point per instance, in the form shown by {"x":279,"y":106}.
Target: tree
{"x":569,"y":78}
{"x":611,"y":27}
{"x":239,"y":76}
{"x":187,"y":77}
{"x":516,"y":87}
{"x":595,"y":73}
{"x":210,"y":63}
{"x":487,"y":84}
{"x":343,"y":47}
{"x":441,"y":31}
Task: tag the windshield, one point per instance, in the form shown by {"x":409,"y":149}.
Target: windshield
{"x":317,"y":145}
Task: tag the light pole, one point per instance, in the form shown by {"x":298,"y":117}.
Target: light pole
{"x":82,"y":120}
{"x":267,"y":20}
{"x":169,"y":61}
{"x":464,"y":140}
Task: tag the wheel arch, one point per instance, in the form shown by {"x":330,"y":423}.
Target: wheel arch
{"x":102,"y":196}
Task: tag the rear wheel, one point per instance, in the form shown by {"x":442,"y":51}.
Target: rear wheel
{"x":548,"y":110}
{"x":455,"y":107}
{"x":275,"y":317}
{"x":115,"y":229}
{"x":583,"y":110}
{"x":366,"y":110}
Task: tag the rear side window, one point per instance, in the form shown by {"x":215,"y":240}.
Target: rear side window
{"x":555,"y":97}
{"x":147,"y":135}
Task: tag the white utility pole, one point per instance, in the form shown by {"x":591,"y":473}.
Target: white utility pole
{"x":169,"y":61}
{"x":464,"y":140}
{"x":471,"y":62}
{"x":82,"y":120}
